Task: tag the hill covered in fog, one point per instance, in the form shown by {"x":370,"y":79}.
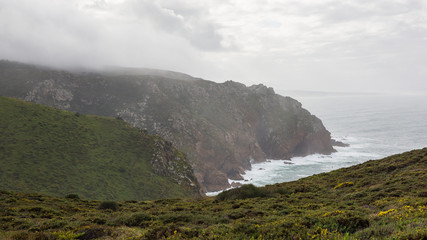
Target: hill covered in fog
{"x":222,"y":127}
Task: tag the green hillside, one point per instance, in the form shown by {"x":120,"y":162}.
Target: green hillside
{"x":382,"y":199}
{"x":55,"y":152}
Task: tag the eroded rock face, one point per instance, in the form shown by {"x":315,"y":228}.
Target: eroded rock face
{"x":221,"y":127}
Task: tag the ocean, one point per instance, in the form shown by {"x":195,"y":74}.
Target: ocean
{"x":375,"y":126}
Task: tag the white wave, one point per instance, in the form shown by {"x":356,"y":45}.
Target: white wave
{"x":211,"y":194}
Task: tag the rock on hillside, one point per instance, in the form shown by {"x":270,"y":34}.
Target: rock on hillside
{"x":222,"y":127}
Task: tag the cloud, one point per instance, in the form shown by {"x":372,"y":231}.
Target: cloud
{"x":70,"y":33}
{"x":337,"y":45}
{"x":346,"y":45}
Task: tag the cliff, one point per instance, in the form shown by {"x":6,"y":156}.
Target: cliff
{"x":221,"y":127}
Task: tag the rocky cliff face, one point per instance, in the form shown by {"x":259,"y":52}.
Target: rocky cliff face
{"x":222,"y":127}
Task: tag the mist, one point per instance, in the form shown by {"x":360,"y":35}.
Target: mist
{"x":329,"y":45}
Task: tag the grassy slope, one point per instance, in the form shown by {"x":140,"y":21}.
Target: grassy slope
{"x":56,"y":152}
{"x":383,"y":199}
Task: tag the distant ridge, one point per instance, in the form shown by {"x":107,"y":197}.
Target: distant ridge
{"x":302,"y":93}
{"x":114,"y":70}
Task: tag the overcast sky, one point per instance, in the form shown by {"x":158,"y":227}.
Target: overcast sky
{"x":318,"y":45}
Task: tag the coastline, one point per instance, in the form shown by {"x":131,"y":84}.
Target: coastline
{"x":278,"y":171}
{"x":375,"y":126}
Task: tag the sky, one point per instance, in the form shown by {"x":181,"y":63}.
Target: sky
{"x":311,"y":45}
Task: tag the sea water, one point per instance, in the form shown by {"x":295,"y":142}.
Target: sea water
{"x":375,"y":126}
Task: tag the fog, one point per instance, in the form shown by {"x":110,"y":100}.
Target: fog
{"x":324,"y":45}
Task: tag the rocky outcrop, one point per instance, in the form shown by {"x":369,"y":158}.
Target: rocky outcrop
{"x":336,"y":143}
{"x":169,"y":162}
{"x":221,"y":127}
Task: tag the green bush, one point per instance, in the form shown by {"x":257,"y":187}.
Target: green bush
{"x":177,"y":218}
{"x":344,"y":184}
{"x":138,"y":219}
{"x":93,"y":233}
{"x":109,"y":205}
{"x":72,"y":196}
{"x":346,"y":223}
{"x":282,"y":191}
{"x":54,"y":223}
{"x":29,"y":235}
{"x":244,"y":192}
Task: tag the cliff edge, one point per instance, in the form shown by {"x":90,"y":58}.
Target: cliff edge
{"x":221,"y":127}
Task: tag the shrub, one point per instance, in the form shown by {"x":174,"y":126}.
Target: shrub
{"x":353,"y":223}
{"x":109,"y":205}
{"x":345,"y":222}
{"x":138,"y":219}
{"x":30,"y":235}
{"x":244,"y":192}
{"x":54,"y":223}
{"x":344,"y":184}
{"x":72,"y":196}
{"x":282,"y":191}
{"x":92,"y":233}
{"x":177,"y":218}
{"x":99,"y":220}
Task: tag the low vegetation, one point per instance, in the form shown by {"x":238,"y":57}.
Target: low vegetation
{"x":382,"y":199}
{"x":61,"y":153}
